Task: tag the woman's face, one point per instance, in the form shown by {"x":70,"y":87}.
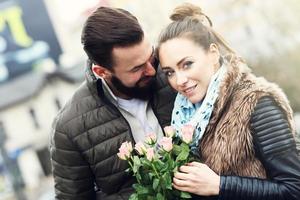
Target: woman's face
{"x":188,"y":66}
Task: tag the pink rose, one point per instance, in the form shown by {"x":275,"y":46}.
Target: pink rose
{"x":170,"y":131}
{"x":125,"y":150}
{"x":150,"y":138}
{"x":140,"y":148}
{"x":166,"y":143}
{"x":187,"y":132}
{"x":150,"y":154}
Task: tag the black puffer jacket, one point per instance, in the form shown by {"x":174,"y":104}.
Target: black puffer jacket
{"x":85,"y":140}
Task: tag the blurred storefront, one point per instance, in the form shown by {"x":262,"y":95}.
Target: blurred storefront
{"x":33,"y":87}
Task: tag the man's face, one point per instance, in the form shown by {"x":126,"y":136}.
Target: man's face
{"x":133,"y":71}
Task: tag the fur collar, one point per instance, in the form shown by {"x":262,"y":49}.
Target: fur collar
{"x":227,"y":145}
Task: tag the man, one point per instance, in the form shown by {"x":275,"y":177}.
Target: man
{"x":122,"y":99}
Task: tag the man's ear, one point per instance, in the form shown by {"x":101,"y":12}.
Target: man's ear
{"x":101,"y":71}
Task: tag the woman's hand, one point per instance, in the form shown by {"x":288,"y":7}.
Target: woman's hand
{"x":197,"y":178}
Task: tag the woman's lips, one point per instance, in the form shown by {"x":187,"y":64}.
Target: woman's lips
{"x":189,"y":91}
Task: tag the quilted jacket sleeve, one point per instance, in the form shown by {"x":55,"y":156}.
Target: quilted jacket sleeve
{"x":275,"y":147}
{"x":72,"y":175}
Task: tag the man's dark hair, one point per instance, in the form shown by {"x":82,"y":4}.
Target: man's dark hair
{"x":107,"y":28}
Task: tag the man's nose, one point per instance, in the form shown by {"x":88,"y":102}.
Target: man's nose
{"x":149,"y":70}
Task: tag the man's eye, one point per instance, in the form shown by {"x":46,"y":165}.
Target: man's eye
{"x":136,"y":69}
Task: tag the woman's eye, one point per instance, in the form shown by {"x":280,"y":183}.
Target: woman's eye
{"x":187,"y":64}
{"x":168,"y":73}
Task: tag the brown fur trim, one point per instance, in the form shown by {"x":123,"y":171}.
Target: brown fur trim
{"x":227,"y":145}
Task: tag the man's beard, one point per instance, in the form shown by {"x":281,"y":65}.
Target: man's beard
{"x":143,"y":93}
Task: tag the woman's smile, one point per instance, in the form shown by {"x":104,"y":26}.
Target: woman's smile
{"x":189,"y":91}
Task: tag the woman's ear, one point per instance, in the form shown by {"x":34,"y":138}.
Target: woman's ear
{"x":215,"y":53}
{"x":101,"y":71}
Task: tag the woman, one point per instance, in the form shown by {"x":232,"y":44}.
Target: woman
{"x":244,"y":132}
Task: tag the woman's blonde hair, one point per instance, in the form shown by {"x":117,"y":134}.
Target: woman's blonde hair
{"x":189,"y":21}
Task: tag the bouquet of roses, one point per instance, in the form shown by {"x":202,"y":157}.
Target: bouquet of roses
{"x":155,"y":163}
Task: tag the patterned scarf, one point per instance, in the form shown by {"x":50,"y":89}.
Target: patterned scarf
{"x":197,"y":115}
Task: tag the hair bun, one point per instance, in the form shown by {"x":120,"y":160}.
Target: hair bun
{"x":189,"y":10}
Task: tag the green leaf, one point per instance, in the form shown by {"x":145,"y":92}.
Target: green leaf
{"x":159,"y":165}
{"x":175,"y":169}
{"x":164,"y":168}
{"x":151,"y":175}
{"x":141,"y":190}
{"x":159,"y":196}
{"x":176,"y":149}
{"x":146,"y":163}
{"x":136,"y":160}
{"x":167,"y":181}
{"x":136,"y":164}
{"x":185,"y":195}
{"x":155,"y":183}
{"x":134,"y":196}
{"x":185,"y":147}
{"x":150,"y":197}
{"x":138,"y":176}
{"x":135,"y":169}
{"x":171,"y":164}
{"x":128,"y":170}
{"x":182,"y":156}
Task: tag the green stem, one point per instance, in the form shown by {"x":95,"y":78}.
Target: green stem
{"x":169,"y":156}
{"x":131,"y":165}
{"x":157,"y":175}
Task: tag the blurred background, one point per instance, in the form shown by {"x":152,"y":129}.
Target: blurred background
{"x":42,"y":63}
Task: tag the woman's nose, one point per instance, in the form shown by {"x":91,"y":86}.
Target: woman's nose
{"x":181,"y":79}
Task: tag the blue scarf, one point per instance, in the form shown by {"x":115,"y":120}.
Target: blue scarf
{"x":197,"y":115}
